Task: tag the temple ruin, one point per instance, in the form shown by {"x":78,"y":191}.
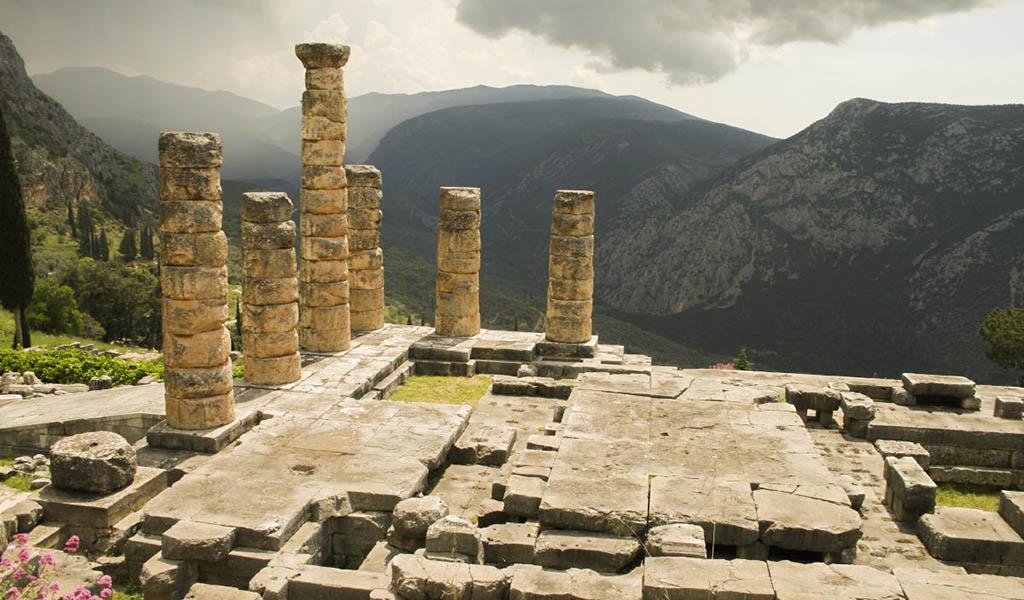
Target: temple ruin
{"x":584,"y":472}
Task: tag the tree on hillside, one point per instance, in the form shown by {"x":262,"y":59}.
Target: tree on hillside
{"x":71,"y":220}
{"x":102,"y":247}
{"x":127,"y":247}
{"x":15,"y":250}
{"x":742,"y":362}
{"x":1003,"y":329}
{"x":146,"y":243}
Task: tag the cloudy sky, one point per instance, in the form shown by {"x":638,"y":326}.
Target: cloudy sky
{"x":772,"y":66}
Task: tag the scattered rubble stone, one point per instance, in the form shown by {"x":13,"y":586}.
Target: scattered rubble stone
{"x":677,"y":539}
{"x":97,"y":462}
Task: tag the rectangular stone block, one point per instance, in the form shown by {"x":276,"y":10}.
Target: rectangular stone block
{"x":191,"y":217}
{"x":200,"y":413}
{"x":366,"y":320}
{"x":270,"y":345}
{"x":327,"y":225}
{"x":324,"y":583}
{"x":363,"y":239}
{"x":324,"y":202}
{"x":189,"y":185}
{"x":952,"y":386}
{"x":323,"y":152}
{"x":322,"y":248}
{"x":273,"y":371}
{"x":1007,"y":407}
{"x":573,"y":225}
{"x":313,"y":339}
{"x":198,"y":382}
{"x":268,"y":235}
{"x":279,"y":290}
{"x":909,"y":491}
{"x":364,"y":218}
{"x":1011,"y":509}
{"x":207,"y":349}
{"x":325,"y":317}
{"x":683,"y":578}
{"x":189,"y":317}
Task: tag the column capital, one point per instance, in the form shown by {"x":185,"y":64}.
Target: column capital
{"x":318,"y":55}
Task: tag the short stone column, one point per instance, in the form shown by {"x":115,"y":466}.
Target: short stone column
{"x":323,"y":274}
{"x":366,"y":259}
{"x":571,"y":268}
{"x":270,"y":290}
{"x":194,"y":283}
{"x":457,"y":297}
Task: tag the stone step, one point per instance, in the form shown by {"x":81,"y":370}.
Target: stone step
{"x":482,"y":444}
{"x":1011,"y":509}
{"x":533,"y":581}
{"x":560,"y":350}
{"x":49,"y":534}
{"x":543,"y":387}
{"x":509,"y":543}
{"x":441,"y":349}
{"x":440,"y":367}
{"x":585,"y":550}
{"x":387,"y":386}
{"x":497,"y":367}
{"x":970,"y":535}
{"x":507,"y":351}
{"x":316,"y":583}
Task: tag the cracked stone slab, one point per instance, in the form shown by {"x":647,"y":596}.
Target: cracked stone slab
{"x":532,"y":582}
{"x":724,"y":509}
{"x":796,"y":581}
{"x":970,"y":535}
{"x":813,"y":522}
{"x":683,"y":578}
{"x":924,"y":584}
{"x":585,"y":550}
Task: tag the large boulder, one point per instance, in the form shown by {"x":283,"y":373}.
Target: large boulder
{"x":98,"y":462}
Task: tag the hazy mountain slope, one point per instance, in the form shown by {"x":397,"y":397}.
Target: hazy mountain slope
{"x":873,"y":241}
{"x":59,"y":161}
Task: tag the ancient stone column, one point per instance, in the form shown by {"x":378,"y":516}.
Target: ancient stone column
{"x":323,"y":273}
{"x":270,"y":290}
{"x":194,"y":283}
{"x":457,"y":297}
{"x":571,"y":268}
{"x":366,"y":259}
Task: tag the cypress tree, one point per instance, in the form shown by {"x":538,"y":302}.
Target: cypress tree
{"x":146,"y":243}
{"x":238,"y":318}
{"x":103,"y":246}
{"x":15,"y":251}
{"x":71,"y":220}
{"x":127,"y":248}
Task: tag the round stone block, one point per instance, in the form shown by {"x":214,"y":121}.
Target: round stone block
{"x":318,"y":55}
{"x":274,"y":263}
{"x":325,"y":78}
{"x":571,"y":267}
{"x":322,"y":128}
{"x":464,"y":326}
{"x":366,"y":299}
{"x":191,"y":217}
{"x":360,"y":240}
{"x":323,"y":152}
{"x":193,"y":249}
{"x":363,"y":175}
{"x":329,"y":104}
{"x":460,"y":240}
{"x":97,"y":462}
{"x":563,"y":245}
{"x":458,"y":262}
{"x":460,"y":199}
{"x":364,"y":218}
{"x":206,"y":349}
{"x":323,"y":271}
{"x":568,"y":331}
{"x":458,"y":282}
{"x":316,"y":295}
{"x":572,"y":225}
{"x":270,"y":317}
{"x":325,"y":317}
{"x":363,"y":197}
{"x":366,"y":259}
{"x":323,"y":248}
{"x":572,"y":309}
{"x":194,"y":283}
{"x":330,"y":225}
{"x":571,"y":289}
{"x":273,"y":371}
{"x":324,"y":340}
{"x":366,"y":280}
{"x":322,"y":177}
{"x":198,"y":383}
{"x":268,"y":235}
{"x":269,"y":345}
{"x":266,"y":207}
{"x":457,"y":304}
{"x":324,"y":202}
{"x":200,"y":413}
{"x":190,"y":149}
{"x":189,"y":185}
{"x":459,"y":219}
{"x":259,"y":291}
{"x":367,"y":320}
{"x":189,"y":317}
{"x":574,"y":202}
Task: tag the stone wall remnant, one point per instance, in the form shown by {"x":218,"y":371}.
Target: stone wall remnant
{"x":571,"y":268}
{"x":366,"y":259}
{"x":457,"y":295}
{"x":270,"y":290}
{"x":194,"y":283}
{"x":324,"y":324}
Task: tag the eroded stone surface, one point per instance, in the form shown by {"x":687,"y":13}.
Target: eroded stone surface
{"x":97,"y":462}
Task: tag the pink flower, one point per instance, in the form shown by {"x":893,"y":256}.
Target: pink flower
{"x":53,"y":587}
{"x":72,"y":544}
{"x":106,"y":581}
{"x":13,"y":594}
{"x":46,"y":559}
{"x":106,"y":593}
{"x":21,"y":538}
{"x":24,"y":555}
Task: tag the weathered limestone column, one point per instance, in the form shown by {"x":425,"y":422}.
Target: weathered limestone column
{"x":194,"y":283}
{"x":457,"y":297}
{"x":323,"y":274}
{"x":270,"y":290}
{"x":571,"y":268}
{"x":366,"y":259}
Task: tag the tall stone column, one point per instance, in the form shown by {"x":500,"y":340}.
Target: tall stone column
{"x":270,"y":290}
{"x":194,"y":283}
{"x":457,"y":297}
{"x":366,"y":259}
{"x":571,"y":268}
{"x":323,"y":274}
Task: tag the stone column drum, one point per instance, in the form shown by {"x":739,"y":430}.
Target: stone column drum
{"x":457,"y":297}
{"x":270,"y":290}
{"x":366,"y":259}
{"x":571,"y":268}
{"x":194,"y":283}
{"x":323,"y":274}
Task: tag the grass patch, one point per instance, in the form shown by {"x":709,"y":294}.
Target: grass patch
{"x":443,"y":390}
{"x":52,"y":340}
{"x":967,"y":497}
{"x":20,"y":481}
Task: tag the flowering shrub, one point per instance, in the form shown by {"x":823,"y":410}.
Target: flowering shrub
{"x":725,"y":366}
{"x":23,"y":574}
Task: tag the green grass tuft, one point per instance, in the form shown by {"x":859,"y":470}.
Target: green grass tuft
{"x":20,"y":481}
{"x":443,"y":390}
{"x":962,"y":496}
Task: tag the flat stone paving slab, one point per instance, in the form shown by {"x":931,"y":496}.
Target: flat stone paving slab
{"x":585,"y":550}
{"x":816,"y":520}
{"x":102,"y":510}
{"x":682,"y":578}
{"x":924,"y":584}
{"x":723,"y":508}
{"x":796,"y":581}
{"x":531,"y":582}
{"x":971,"y":536}
{"x":953,"y":386}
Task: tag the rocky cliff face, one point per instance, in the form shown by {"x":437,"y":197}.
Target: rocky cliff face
{"x":60,"y":161}
{"x":875,"y":241}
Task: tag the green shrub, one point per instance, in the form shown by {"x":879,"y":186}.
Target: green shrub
{"x":77,"y":366}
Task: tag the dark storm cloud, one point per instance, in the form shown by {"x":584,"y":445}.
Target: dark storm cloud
{"x":691,"y":40}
